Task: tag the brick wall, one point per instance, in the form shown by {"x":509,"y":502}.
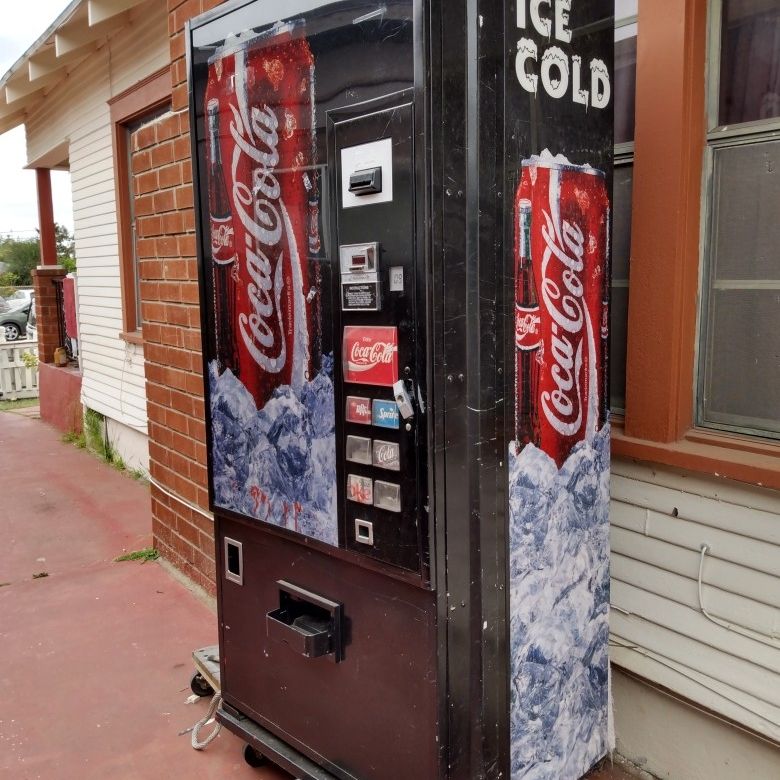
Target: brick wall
{"x":46,"y":313}
{"x":162,"y":179}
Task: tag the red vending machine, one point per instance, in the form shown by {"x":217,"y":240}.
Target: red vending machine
{"x":403,"y":224}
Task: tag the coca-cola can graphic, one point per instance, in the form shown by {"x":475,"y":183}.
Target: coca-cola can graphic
{"x":264,"y":88}
{"x":370,"y":355}
{"x":565,"y":210}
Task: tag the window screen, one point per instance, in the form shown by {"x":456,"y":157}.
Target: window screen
{"x":740,"y":372}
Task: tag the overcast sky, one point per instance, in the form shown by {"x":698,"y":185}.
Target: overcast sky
{"x":18,"y":204}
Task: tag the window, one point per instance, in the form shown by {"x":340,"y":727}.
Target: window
{"x":131,"y":110}
{"x":739,"y":337}
{"x":625,"y":99}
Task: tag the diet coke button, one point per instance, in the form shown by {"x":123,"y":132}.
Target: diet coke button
{"x":360,"y":489}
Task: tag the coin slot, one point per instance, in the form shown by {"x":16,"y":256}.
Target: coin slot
{"x":234,"y":561}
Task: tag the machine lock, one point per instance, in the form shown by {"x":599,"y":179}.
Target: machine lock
{"x":403,"y":399}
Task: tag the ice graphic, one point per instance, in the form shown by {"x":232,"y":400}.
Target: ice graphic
{"x":559,"y":603}
{"x":277,"y":464}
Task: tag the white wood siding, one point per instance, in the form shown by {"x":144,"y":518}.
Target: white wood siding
{"x":77,"y":111}
{"x":660,"y":520}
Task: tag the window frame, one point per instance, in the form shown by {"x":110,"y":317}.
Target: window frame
{"x":146,"y":96}
{"x":671,"y":137}
{"x":623,"y":155}
{"x":719,"y":137}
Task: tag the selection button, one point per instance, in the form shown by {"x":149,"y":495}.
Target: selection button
{"x":387,"y":496}
{"x":359,"y":450}
{"x":387,"y":455}
{"x":360,"y":489}
{"x":358,"y":410}
{"x":385,"y":414}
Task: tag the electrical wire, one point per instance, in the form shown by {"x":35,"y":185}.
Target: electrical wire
{"x":183,"y":501}
{"x":671,"y":664}
{"x":756,"y":636}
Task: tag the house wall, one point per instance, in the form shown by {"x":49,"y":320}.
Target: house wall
{"x":660,"y":519}
{"x":182,"y":525}
{"x":674,"y":740}
{"x":77,"y":111}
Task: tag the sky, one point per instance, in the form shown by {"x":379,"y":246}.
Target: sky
{"x":18,"y":203}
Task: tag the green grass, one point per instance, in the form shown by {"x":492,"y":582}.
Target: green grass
{"x":139,"y":475}
{"x":22,"y":403}
{"x":77,"y":439}
{"x":147,"y":554}
{"x":95,"y":439}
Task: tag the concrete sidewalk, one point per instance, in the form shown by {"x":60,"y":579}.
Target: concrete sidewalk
{"x":94,"y":658}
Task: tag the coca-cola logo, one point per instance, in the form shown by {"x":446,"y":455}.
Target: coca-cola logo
{"x":527,"y":328}
{"x":386,"y":455}
{"x":270,"y":241}
{"x":221,"y":238}
{"x":563,"y":293}
{"x":364,"y":357}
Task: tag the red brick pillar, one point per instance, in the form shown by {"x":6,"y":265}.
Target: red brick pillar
{"x":46,"y":310}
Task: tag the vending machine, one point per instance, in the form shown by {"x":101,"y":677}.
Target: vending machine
{"x":403,"y":216}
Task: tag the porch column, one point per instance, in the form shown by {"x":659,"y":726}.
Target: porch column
{"x":46,"y":217}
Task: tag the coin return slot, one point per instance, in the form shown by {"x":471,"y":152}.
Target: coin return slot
{"x":234,"y":561}
{"x":364,"y":532}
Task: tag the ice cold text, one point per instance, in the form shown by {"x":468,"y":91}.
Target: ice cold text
{"x":559,"y":73}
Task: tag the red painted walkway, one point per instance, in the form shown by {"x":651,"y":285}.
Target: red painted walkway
{"x":95,"y":658}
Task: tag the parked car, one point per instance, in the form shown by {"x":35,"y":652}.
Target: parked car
{"x":32,"y":324}
{"x":14,"y":320}
{"x":19,"y":297}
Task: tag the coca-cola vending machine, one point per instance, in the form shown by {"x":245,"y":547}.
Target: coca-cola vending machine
{"x":403,"y":220}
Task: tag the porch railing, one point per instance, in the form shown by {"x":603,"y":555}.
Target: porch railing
{"x":61,"y":326}
{"x":18,"y":373}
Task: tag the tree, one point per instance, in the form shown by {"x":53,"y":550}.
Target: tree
{"x":65,"y":243}
{"x":66,"y":248}
{"x":20,"y":258}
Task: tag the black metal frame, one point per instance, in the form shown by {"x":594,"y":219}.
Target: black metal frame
{"x":459,"y":435}
{"x":64,"y":339}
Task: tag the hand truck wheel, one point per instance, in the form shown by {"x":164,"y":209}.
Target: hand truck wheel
{"x":199,"y":685}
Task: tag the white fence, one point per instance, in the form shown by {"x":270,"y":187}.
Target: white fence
{"x":17,"y":379}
